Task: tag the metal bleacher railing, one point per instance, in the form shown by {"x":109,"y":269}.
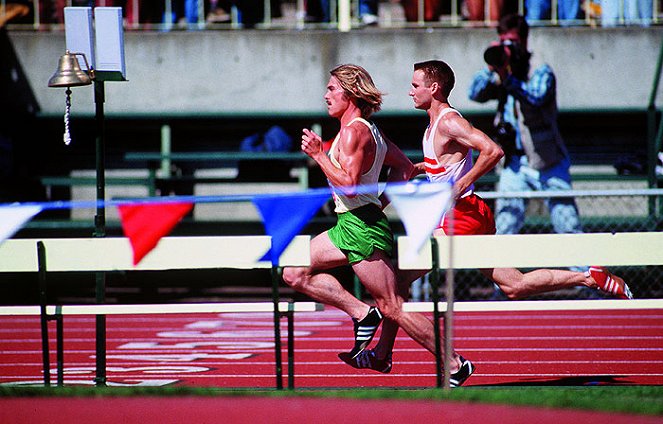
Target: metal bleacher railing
{"x":291,"y":14}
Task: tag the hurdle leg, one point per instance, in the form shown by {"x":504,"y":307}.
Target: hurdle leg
{"x":435,"y":297}
{"x":44,"y":347}
{"x":41,"y":257}
{"x":100,"y":326}
{"x":448,"y":319}
{"x":291,"y":346}
{"x":276,"y":279}
{"x":60,"y":347}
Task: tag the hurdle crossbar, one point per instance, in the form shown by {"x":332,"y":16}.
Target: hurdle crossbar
{"x":515,"y":251}
{"x":167,"y":308}
{"x":538,"y":305}
{"x":115,"y":254}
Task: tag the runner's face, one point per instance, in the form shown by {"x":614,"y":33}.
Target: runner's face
{"x":421,"y":94}
{"x":337,"y":101}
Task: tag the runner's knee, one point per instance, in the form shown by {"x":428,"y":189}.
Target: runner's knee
{"x":510,"y":282}
{"x":295,"y":277}
{"x":391,"y":309}
{"x":512,"y":292}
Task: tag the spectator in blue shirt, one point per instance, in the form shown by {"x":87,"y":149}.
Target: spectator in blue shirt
{"x":536,"y":158}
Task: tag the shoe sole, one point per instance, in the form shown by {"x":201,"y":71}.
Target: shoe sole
{"x":345,"y":357}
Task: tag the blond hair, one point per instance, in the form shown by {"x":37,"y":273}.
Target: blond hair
{"x":358,"y":85}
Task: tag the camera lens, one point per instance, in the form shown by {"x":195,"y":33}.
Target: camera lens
{"x":495,"y":56}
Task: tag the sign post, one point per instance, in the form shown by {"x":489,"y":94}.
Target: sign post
{"x":103,"y":43}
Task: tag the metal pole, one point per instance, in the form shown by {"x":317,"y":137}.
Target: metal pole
{"x":435,"y":297}
{"x":36,"y":20}
{"x":168,"y":15}
{"x":344,"y":12}
{"x":277,"y":327}
{"x":652,"y":136}
{"x":41,"y":255}
{"x":267,"y":13}
{"x":100,"y":229}
{"x":135,"y":5}
{"x":59,"y":329}
{"x":166,"y":150}
{"x":449,"y":313}
{"x":651,"y":121}
{"x":291,"y":346}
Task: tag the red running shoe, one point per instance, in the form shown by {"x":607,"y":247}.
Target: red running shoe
{"x":609,"y":282}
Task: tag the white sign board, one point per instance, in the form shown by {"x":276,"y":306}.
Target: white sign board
{"x":109,"y":36}
{"x":78,"y":32}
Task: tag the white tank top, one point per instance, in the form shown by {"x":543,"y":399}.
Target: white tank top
{"x":437,"y":172}
{"x":369,"y":179}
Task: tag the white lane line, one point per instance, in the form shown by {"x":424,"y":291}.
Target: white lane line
{"x":343,"y":339}
{"x":325,"y":316}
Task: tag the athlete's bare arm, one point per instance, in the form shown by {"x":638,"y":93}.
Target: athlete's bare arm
{"x":354,"y":156}
{"x":453,"y":128}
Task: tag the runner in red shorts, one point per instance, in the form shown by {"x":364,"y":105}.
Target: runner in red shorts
{"x":448,"y":144}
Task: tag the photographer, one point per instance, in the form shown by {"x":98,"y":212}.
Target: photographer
{"x":526,"y":123}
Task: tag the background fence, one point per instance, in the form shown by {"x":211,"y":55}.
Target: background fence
{"x":342,"y":14}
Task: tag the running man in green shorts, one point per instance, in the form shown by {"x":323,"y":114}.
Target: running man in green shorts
{"x":361,"y":237}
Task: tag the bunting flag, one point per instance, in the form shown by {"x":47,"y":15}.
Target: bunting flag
{"x":12,"y":219}
{"x":421,"y":206}
{"x":145,"y":224}
{"x":285,"y":215}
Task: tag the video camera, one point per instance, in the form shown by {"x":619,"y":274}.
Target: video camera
{"x":509,"y":52}
{"x":497,"y":56}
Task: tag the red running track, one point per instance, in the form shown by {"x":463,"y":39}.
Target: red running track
{"x":288,"y":410}
{"x":236,"y":350}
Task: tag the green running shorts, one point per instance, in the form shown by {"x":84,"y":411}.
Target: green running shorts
{"x":360,"y":231}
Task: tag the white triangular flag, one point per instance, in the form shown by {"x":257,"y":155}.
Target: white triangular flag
{"x":421,"y":206}
{"x":12,"y":218}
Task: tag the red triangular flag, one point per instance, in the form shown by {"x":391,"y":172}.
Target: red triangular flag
{"x":144,"y":225}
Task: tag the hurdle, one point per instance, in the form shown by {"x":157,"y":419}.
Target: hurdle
{"x":115,"y":254}
{"x":514,"y":251}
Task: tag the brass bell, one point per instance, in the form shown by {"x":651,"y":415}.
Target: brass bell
{"x":69,"y":73}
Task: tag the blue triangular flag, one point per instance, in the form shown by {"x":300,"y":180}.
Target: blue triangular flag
{"x":285,"y":215}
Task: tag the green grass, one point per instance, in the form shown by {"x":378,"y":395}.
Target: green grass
{"x":646,"y":400}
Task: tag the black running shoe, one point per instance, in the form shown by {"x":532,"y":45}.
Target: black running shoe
{"x":459,"y":377}
{"x":367,"y":359}
{"x":365,"y":330}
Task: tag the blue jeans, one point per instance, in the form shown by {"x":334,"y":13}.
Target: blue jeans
{"x":368,"y":7}
{"x":540,"y":9}
{"x":518,"y":176}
